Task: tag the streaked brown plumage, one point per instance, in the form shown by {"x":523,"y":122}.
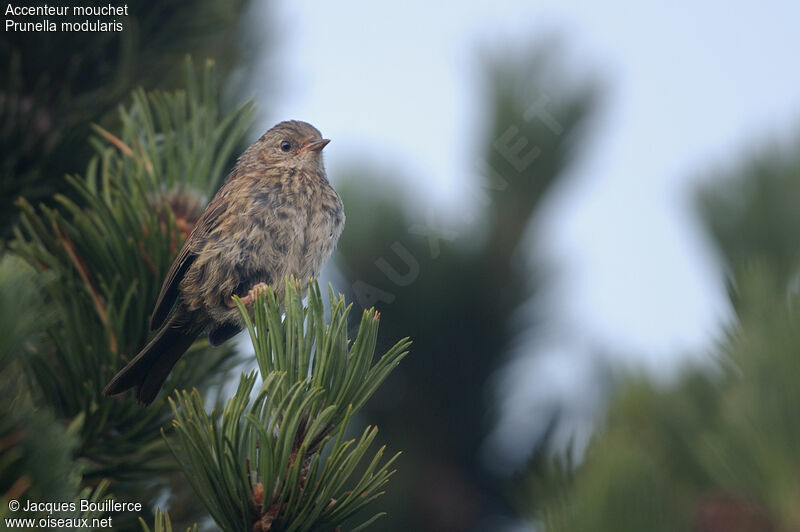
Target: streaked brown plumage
{"x":276,"y":215}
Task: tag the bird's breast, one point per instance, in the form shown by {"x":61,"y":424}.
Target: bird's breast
{"x":296,"y":229}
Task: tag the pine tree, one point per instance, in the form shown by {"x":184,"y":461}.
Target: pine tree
{"x":716,"y":450}
{"x":457,"y":287}
{"x":279,"y":457}
{"x":100,"y":260}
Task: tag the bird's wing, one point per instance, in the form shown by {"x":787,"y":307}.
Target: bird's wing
{"x":169,"y":290}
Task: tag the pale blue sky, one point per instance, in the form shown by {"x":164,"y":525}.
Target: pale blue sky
{"x":692,"y":87}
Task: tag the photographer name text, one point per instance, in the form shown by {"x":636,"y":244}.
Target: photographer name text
{"x":56,"y":511}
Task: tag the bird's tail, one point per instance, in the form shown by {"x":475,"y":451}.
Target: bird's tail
{"x":149,"y":369}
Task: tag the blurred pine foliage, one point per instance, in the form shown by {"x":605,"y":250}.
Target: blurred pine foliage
{"x":458,"y":287}
{"x":717,"y":450}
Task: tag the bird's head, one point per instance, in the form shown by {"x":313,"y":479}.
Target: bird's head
{"x":294,"y":144}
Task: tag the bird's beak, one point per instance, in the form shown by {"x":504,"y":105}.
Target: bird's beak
{"x":314,"y":145}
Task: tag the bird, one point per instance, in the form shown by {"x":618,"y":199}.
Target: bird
{"x":275,"y":215}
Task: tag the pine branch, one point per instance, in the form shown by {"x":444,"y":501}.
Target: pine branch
{"x":281,"y":460}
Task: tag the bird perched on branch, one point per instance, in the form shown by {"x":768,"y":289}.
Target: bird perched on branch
{"x":275,"y":215}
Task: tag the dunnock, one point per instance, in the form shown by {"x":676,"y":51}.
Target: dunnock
{"x":275,"y":215}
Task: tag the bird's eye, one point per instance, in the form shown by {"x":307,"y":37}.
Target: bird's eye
{"x":286,"y":145}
